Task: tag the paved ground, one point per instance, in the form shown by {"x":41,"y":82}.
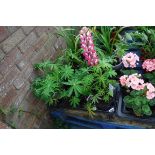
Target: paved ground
{"x":3,"y":126}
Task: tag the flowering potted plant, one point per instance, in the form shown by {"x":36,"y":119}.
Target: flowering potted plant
{"x":137,"y":95}
{"x":81,"y":78}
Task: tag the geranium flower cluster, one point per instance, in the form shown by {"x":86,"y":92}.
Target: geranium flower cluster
{"x":87,"y":45}
{"x":150,"y":94}
{"x":149,"y":65}
{"x":130,"y":60}
{"x":133,"y":81}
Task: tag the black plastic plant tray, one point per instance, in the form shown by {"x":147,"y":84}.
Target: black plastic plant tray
{"x":122,"y":112}
{"x":110,"y":108}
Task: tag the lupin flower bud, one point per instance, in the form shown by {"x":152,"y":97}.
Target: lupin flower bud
{"x":88,"y":46}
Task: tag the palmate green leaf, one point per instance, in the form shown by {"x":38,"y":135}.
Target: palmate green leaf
{"x":97,"y":69}
{"x":105,"y":64}
{"x":88,"y":80}
{"x":63,"y":94}
{"x":96,"y":98}
{"x":67,"y":72}
{"x":74,"y":102}
{"x":110,"y":73}
{"x":102,"y":80}
{"x":84,"y":70}
{"x":75,"y":87}
{"x":46,"y":88}
{"x":106,"y":98}
{"x":90,"y":108}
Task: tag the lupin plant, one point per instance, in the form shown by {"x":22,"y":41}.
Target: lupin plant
{"x":70,"y":80}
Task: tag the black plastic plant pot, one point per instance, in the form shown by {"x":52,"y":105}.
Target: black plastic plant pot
{"x":123,"y":112}
{"x":118,"y":67}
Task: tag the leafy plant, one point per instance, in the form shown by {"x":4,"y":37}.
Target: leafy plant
{"x":91,"y":109}
{"x":70,"y":79}
{"x":150,"y":77}
{"x":138,"y":102}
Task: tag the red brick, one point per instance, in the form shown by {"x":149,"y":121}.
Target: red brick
{"x":27,"y":42}
{"x":13,"y":56}
{"x":3,"y":67}
{"x":18,"y":83}
{"x":12,"y":41}
{"x":40,"y":42}
{"x":22,"y":64}
{"x":12,"y":29}
{"x":24,"y":76}
{"x":8,"y":80}
{"x":1,"y":55}
{"x":21,"y":94}
{"x":27,"y":29}
{"x":32,"y":76}
{"x":28,"y":72}
{"x":3,"y":126}
{"x":51,"y":43}
{"x":30,"y":97}
{"x":28,"y":121}
{"x":8,"y":98}
{"x":10,"y":59}
{"x":25,"y":59}
{"x":37,"y":57}
{"x":45,"y":29}
{"x":3,"y":33}
{"x":1,"y":77}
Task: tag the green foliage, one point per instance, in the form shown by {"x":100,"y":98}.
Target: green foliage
{"x":75,"y":87}
{"x":74,"y":84}
{"x":105,"y":38}
{"x":67,"y":72}
{"x":46,"y":87}
{"x":74,"y":101}
{"x":137,"y":101}
{"x":70,"y":79}
{"x":149,"y":46}
{"x":90,"y":109}
{"x":129,"y":72}
{"x":150,"y":77}
{"x":68,"y":35}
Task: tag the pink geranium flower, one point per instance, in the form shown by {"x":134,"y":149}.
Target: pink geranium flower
{"x":133,"y":81}
{"x":150,"y":94}
{"x":149,"y":65}
{"x":130,"y":60}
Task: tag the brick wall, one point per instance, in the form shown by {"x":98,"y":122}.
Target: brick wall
{"x":20,"y":48}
